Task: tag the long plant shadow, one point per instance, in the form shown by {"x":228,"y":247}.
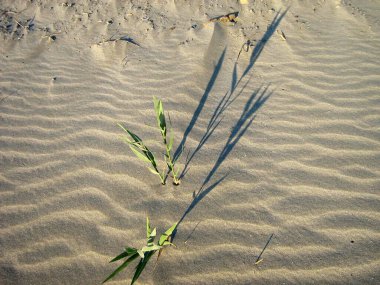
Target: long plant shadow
{"x":214,"y":122}
{"x":259,"y":47}
{"x":227,"y":99}
{"x":200,"y":106}
{"x":239,"y":129}
{"x":199,"y":197}
{"x":253,"y":104}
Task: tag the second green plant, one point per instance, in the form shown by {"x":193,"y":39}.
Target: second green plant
{"x":143,"y":152}
{"x":145,"y":253}
{"x":161,"y":121}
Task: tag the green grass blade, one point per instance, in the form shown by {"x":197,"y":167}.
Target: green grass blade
{"x":164,"y":237}
{"x":153,"y":171}
{"x":128,"y":251}
{"x":120,"y":256}
{"x":121,"y":267}
{"x":155,"y":103}
{"x":151,"y":237}
{"x":139,"y":154}
{"x":171,"y":140}
{"x":121,"y":126}
{"x":131,"y":250}
{"x":134,"y":136}
{"x":138,"y":143}
{"x":150,"y":156}
{"x":140,"y":267}
{"x":159,"y":110}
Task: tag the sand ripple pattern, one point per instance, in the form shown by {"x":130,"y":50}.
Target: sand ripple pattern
{"x":289,"y":146}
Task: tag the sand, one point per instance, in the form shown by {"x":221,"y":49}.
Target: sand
{"x":281,"y":138}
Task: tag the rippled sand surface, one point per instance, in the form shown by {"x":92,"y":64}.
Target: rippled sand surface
{"x":278,"y":115}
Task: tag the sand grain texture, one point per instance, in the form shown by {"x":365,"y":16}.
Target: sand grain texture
{"x":283,"y":138}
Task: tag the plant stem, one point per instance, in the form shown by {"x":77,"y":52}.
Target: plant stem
{"x":170,"y":164}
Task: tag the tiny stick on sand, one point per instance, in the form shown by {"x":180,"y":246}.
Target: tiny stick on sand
{"x":259,"y":259}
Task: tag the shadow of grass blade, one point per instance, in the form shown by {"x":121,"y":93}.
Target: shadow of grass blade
{"x":121,"y":267}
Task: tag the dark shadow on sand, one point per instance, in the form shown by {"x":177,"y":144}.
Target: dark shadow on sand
{"x":201,"y":104}
{"x":228,"y":97}
{"x":241,"y":126}
{"x":253,"y":104}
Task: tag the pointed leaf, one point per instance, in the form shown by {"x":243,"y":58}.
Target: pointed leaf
{"x":156,"y":105}
{"x":171,"y":140}
{"x":162,"y":120}
{"x":160,"y":116}
{"x":153,"y":171}
{"x":131,"y":250}
{"x":153,"y":233}
{"x":121,"y":126}
{"x":121,"y":267}
{"x":150,"y":156}
{"x":120,"y":256}
{"x":164,"y":237}
{"x":134,"y":136}
{"x":127,"y":252}
{"x":140,"y":267}
{"x":139,"y":154}
{"x":151,"y":237}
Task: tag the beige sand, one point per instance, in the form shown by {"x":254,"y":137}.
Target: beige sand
{"x":296,"y":153}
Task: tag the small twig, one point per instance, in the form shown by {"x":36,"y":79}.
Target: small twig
{"x":19,"y":24}
{"x":246,"y":44}
{"x":123,"y":38}
{"x":259,"y":259}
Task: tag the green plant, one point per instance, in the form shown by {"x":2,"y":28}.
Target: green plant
{"x":143,"y":153}
{"x":144,"y":253}
{"x":161,"y":121}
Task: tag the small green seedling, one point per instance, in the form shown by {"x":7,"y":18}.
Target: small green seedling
{"x":143,"y":153}
{"x":161,"y":121}
{"x":144,"y":253}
